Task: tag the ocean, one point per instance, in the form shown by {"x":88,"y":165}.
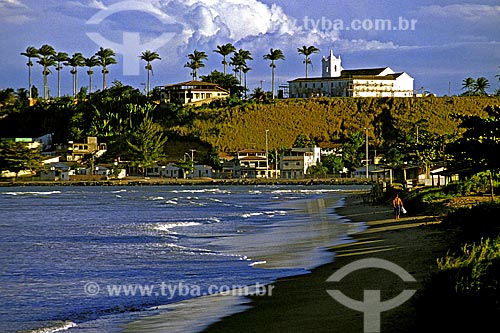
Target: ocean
{"x":152,"y":258}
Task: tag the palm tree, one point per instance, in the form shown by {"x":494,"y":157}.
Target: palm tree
{"x":246,"y":69}
{"x":91,"y":62}
{"x":31,"y":52}
{"x":258,"y":94}
{"x":76,"y":60}
{"x":58,"y":59}
{"x":46,"y":52}
{"x":149,"y":56}
{"x":468,"y":84}
{"x":196,"y":62}
{"x":105,"y":57}
{"x":274,"y":55}
{"x":239,"y":61}
{"x":307,"y":51}
{"x":224,"y":51}
{"x":481,"y":85}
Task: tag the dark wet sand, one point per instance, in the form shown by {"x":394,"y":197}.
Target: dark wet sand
{"x":302,"y":304}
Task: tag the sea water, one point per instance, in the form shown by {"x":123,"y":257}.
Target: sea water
{"x":105,"y":259}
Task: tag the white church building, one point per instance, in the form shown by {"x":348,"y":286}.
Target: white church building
{"x":339,"y":82}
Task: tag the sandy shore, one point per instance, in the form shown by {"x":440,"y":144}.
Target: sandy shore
{"x":302,"y":304}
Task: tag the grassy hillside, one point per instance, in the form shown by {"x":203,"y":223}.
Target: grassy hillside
{"x":325,"y":119}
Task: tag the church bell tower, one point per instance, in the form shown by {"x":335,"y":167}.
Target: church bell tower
{"x":331,"y":66}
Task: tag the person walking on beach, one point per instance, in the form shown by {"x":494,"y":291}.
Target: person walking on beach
{"x":397,"y":203}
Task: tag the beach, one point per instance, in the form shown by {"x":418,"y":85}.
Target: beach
{"x":302,"y":303}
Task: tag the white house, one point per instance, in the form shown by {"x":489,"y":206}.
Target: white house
{"x":339,"y":82}
{"x":295,"y":165}
{"x":200,"y":171}
{"x":192,"y":92}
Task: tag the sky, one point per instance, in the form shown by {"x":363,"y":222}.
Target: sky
{"x":439,"y":42}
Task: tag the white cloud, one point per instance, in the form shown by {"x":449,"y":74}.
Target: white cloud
{"x":11,"y":4}
{"x":467,"y":12}
{"x":14,"y":12}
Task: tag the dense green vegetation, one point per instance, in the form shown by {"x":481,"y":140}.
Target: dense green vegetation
{"x":388,"y":120}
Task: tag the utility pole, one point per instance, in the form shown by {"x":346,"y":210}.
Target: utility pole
{"x":366,"y":151}
{"x":267,"y":157}
{"x":192,"y":155}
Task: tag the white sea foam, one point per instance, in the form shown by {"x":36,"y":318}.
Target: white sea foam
{"x":268,"y":213}
{"x":247,"y":215}
{"x":257,"y":263}
{"x":156,"y":198}
{"x":167,"y":227}
{"x":32,"y":193}
{"x":207,"y":190}
{"x":63,"y":326}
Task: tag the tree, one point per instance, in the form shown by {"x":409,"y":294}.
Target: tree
{"x":481,"y":85}
{"x":317,"y":170}
{"x":239,"y":61}
{"x":307,"y":51}
{"x":226,"y":81}
{"x":224,"y":51}
{"x":76,"y":60}
{"x":149,"y":56}
{"x":468,"y":84}
{"x":58,"y":59}
{"x":303,"y":141}
{"x":17,"y":156}
{"x":351,"y":153}
{"x":31,"y":52}
{"x":479,"y":147}
{"x":46,"y":53}
{"x":196,"y":62}
{"x":258,"y":95}
{"x":146,"y":141}
{"x":105,"y":57}
{"x":274,"y":55}
{"x":91,"y":62}
{"x":246,"y":69}
{"x":333,"y":163}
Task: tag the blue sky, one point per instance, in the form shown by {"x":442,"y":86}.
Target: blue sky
{"x":439,"y":43}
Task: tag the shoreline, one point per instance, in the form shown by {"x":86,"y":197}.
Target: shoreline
{"x":190,"y":182}
{"x":301,"y":303}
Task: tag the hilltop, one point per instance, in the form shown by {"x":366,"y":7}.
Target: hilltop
{"x":231,"y":128}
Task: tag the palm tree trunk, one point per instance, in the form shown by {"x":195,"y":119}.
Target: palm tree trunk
{"x":104,"y":78}
{"x":58,"y":82}
{"x":45,"y":88}
{"x":90,"y":84}
{"x":147,"y":93}
{"x":29,"y":80}
{"x":76,"y":82}
{"x":307,"y":63}
{"x":272,"y":81}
